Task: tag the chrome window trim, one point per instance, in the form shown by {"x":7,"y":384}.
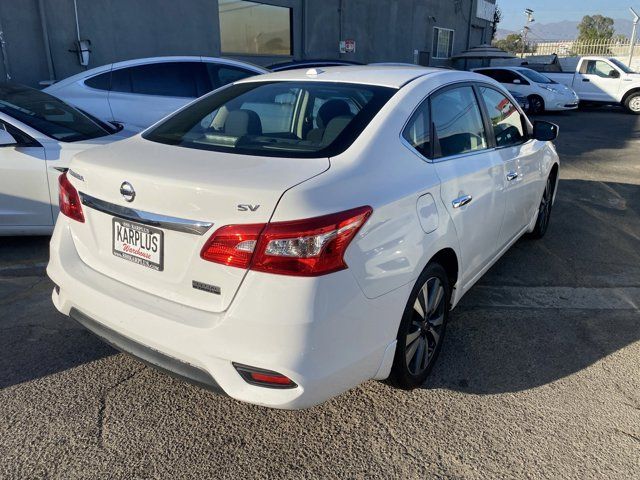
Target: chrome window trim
{"x":193,"y":227}
{"x":454,"y":84}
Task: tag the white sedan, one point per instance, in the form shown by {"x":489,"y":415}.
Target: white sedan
{"x":138,"y":93}
{"x":543,"y":93}
{"x":293,"y":235}
{"x":38,"y":136}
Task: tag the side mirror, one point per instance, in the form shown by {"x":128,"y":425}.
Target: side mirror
{"x":614,"y":74}
{"x":6,"y":139}
{"x":545,"y":131}
{"x":516,"y":81}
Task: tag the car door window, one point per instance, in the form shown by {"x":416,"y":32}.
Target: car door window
{"x":171,"y":79}
{"x":227,"y":75}
{"x":508,"y":126}
{"x":599,"y":68}
{"x":417,"y":132}
{"x":121,"y":80}
{"x":99,"y":82}
{"x":489,"y":73}
{"x":457,"y":122}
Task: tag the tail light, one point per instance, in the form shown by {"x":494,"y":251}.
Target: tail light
{"x":69,"y":200}
{"x":307,"y":248}
{"x":232,"y":245}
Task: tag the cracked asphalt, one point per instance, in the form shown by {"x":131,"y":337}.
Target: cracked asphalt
{"x":539,"y":376}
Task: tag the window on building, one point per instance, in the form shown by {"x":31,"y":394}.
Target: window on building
{"x":442,"y":43}
{"x":254,"y":28}
{"x":457,"y":122}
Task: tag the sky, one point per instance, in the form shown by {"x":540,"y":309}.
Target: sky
{"x":548,"y":11}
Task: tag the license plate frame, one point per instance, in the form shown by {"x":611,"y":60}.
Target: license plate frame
{"x":133,"y":256}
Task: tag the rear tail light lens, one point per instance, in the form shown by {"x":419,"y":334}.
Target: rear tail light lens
{"x":232,"y":245}
{"x":310,"y":247}
{"x":69,"y":200}
{"x":264,"y":378}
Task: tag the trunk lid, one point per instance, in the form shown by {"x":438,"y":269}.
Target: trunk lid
{"x":186,"y":189}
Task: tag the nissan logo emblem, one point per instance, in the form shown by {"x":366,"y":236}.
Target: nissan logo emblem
{"x":127,"y":191}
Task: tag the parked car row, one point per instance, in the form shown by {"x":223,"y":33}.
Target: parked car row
{"x":595,"y":79}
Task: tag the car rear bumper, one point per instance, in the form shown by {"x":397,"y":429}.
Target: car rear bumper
{"x":322,"y":333}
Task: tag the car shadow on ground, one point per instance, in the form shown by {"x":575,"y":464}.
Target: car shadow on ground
{"x":592,"y":243}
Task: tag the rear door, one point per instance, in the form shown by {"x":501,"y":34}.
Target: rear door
{"x":94,"y":97}
{"x":521,"y":159}
{"x":143,"y":94}
{"x":471,"y":175}
{"x":24,"y":188}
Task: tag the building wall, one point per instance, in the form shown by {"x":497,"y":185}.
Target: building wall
{"x":384,"y":30}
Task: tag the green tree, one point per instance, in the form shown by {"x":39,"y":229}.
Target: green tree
{"x":594,"y":33}
{"x":595,"y":28}
{"x":512,"y":44}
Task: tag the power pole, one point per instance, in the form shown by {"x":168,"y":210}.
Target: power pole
{"x":633,"y":34}
{"x":525,"y":31}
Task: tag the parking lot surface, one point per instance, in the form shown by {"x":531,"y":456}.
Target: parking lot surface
{"x":539,"y":376}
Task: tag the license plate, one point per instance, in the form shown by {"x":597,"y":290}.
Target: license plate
{"x":138,"y":244}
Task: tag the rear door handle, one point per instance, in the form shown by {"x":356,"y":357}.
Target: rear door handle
{"x":512,"y":176}
{"x":586,"y":80}
{"x":462,"y":201}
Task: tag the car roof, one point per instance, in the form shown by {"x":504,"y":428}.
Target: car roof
{"x":149,"y":60}
{"x":379,"y":75}
{"x":290,"y":65}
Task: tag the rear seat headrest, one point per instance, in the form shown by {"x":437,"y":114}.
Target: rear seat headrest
{"x":242,"y":122}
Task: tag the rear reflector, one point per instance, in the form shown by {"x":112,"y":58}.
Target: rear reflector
{"x":307,"y":248}
{"x":263,"y":378}
{"x":69,"y":200}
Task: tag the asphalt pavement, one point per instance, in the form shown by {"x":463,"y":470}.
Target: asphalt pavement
{"x":539,"y":376}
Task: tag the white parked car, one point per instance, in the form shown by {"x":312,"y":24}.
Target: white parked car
{"x":601,"y":80}
{"x":38,"y":136}
{"x":138,"y":93}
{"x":544,"y":94}
{"x":295,"y":234}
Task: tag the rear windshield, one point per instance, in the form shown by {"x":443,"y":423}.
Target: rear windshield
{"x":284,"y":119}
{"x":48,"y":114}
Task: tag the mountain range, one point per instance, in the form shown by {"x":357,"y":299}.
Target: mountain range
{"x":565,"y":30}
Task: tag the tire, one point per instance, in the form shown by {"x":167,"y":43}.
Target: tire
{"x":536,"y":104}
{"x":632,"y":103}
{"x":544,"y":209}
{"x":420,"y":336}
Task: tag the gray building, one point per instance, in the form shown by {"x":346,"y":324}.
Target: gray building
{"x":39,"y":38}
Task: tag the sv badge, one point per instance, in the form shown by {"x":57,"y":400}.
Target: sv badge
{"x":245,"y":207}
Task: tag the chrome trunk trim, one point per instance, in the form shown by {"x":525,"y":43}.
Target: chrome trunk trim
{"x":147,"y":218}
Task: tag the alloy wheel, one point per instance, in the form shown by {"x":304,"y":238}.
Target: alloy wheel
{"x":634,"y":104}
{"x":425,"y":331}
{"x":537,"y":105}
{"x":544,"y":211}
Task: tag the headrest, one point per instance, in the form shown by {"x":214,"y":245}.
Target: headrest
{"x":330,"y":110}
{"x":335,"y":128}
{"x":242,"y":122}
